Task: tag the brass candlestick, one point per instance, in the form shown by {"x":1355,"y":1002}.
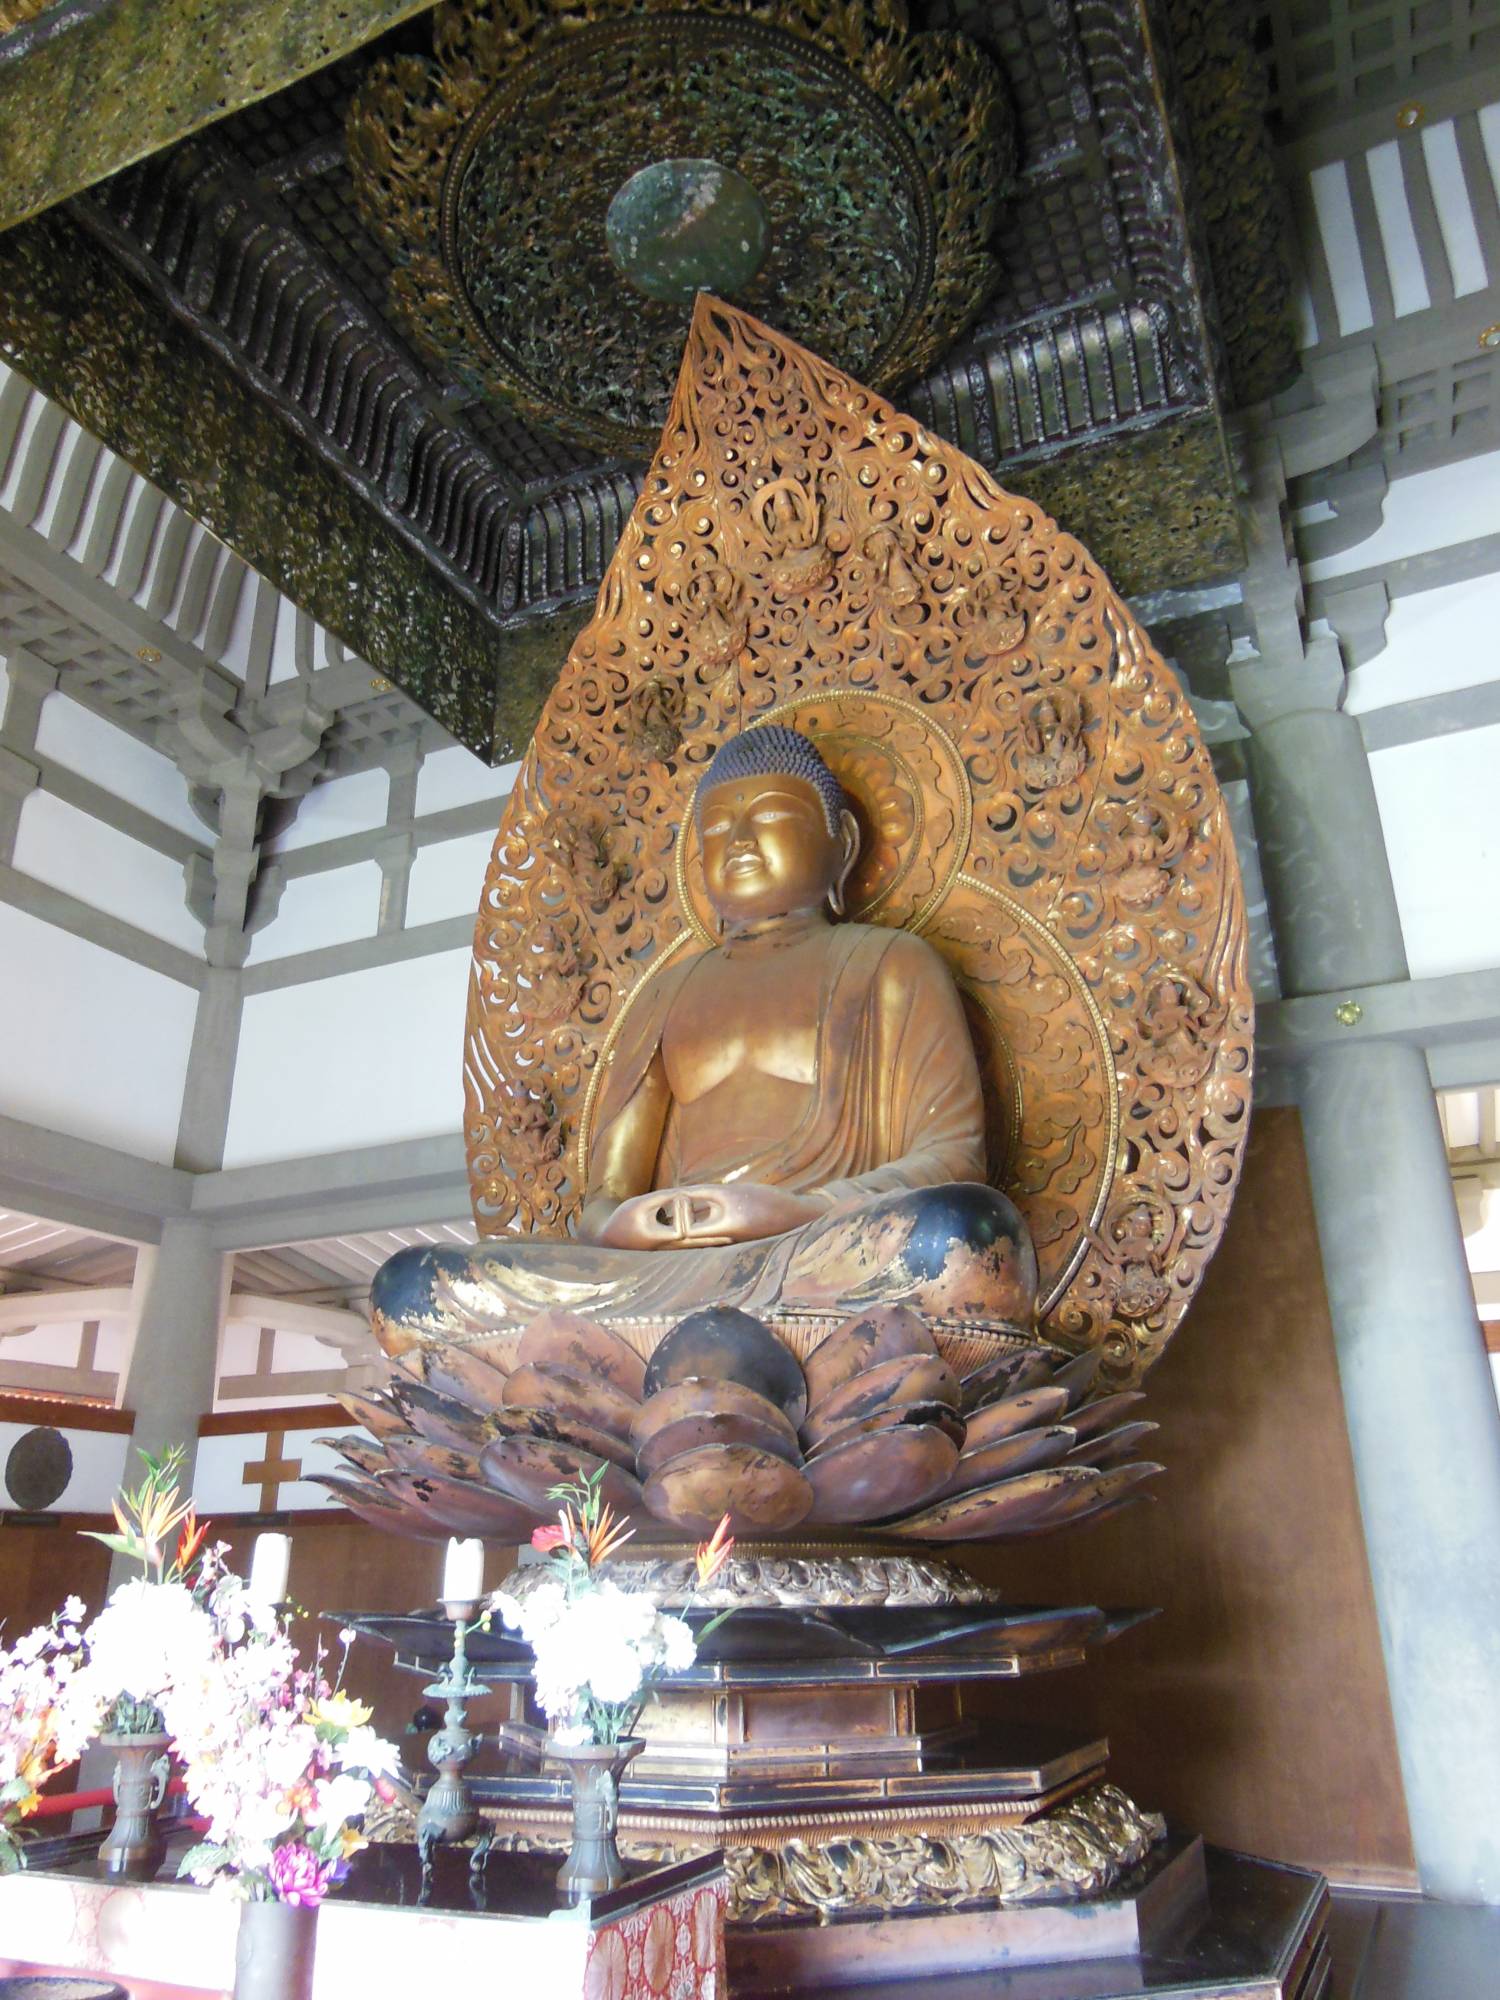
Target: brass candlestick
{"x":449,"y":1815}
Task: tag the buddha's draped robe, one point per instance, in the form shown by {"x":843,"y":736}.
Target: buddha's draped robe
{"x":891,"y":1143}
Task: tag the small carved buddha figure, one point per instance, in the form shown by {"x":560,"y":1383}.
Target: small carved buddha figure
{"x":792,"y":1122}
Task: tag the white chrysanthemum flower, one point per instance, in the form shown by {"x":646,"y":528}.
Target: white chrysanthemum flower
{"x":146,"y":1636}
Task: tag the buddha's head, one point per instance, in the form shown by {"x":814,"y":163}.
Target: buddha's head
{"x":778,"y":837}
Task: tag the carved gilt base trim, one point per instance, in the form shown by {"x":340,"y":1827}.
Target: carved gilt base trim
{"x":839,"y":1864}
{"x":798,"y":1575}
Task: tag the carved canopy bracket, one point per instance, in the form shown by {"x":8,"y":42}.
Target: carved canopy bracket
{"x":1034,"y":794}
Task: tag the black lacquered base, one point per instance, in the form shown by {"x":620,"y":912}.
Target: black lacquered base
{"x":1207,"y":1922}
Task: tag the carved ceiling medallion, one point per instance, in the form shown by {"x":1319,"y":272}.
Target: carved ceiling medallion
{"x":559,"y":178}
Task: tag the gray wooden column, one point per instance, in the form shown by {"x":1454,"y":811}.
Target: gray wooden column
{"x":1418,"y":1398}
{"x":169,"y":1383}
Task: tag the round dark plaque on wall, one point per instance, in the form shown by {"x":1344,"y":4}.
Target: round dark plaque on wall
{"x":38,"y":1469}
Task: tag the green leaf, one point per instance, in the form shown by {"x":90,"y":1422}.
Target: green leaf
{"x":121,"y":1544}
{"x":207,"y":1854}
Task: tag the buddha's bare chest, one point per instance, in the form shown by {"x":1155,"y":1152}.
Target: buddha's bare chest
{"x":741,"y":1024}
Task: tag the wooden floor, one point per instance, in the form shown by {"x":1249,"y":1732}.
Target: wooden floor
{"x":1413,"y":1950}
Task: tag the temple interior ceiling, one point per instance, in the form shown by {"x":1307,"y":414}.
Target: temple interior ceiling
{"x":1049,"y":230}
{"x":396,"y":332}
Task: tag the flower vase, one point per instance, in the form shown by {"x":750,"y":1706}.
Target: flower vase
{"x":273,"y":1956}
{"x":593,"y":1865}
{"x":136,"y":1847}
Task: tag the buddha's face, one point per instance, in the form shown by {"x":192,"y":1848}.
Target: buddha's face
{"x":767,"y":851}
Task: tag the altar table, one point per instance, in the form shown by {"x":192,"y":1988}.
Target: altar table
{"x":661,"y":1937}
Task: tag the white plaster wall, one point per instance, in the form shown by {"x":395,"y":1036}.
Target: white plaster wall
{"x":1426,"y":510}
{"x":71,"y":850}
{"x":336,"y":807}
{"x":132,"y":770}
{"x":220,"y":1486}
{"x":456,"y":777}
{"x":447,"y":878}
{"x":331,"y":907}
{"x":91,"y":1044}
{"x":1435,"y":641}
{"x":1437,"y":809}
{"x":363,"y":1059}
{"x":55,"y":1342}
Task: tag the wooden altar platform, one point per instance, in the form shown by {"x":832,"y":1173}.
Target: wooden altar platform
{"x":663,"y":1932}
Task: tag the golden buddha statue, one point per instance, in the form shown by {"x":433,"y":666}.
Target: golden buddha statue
{"x":792,"y":1123}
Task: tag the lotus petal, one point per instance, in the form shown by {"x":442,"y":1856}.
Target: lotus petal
{"x":877,"y":1471}
{"x":708,"y":1399}
{"x":594,"y":1400}
{"x":1007,"y":1457}
{"x":759,"y":1491}
{"x":1113,"y":1445}
{"x":584,"y":1347}
{"x":883,"y":1334}
{"x":526,"y":1469}
{"x":692,"y":1433}
{"x":909,"y":1378}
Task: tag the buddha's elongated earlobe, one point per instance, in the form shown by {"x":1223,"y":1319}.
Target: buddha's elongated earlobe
{"x":836,"y":899}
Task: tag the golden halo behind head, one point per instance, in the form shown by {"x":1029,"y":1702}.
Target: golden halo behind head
{"x":1033,"y":794}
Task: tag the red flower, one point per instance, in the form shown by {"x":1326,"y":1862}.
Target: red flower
{"x":545,"y":1540}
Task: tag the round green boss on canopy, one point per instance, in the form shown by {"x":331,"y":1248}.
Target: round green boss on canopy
{"x":679,"y":227}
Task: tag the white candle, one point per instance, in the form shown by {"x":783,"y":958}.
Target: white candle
{"x":463,"y":1572}
{"x":269,"y":1564}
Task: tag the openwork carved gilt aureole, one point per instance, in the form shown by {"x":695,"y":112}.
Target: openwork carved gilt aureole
{"x":1033,"y":795}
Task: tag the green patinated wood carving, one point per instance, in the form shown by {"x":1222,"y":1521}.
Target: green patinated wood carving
{"x":122,"y":78}
{"x":1157,"y":506}
{"x":74,"y":324}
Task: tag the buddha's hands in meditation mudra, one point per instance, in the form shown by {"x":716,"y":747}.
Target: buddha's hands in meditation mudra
{"x":684,"y":1217}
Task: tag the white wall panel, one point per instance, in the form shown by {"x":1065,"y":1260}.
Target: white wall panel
{"x":456,"y":777}
{"x":4,"y":687}
{"x":337,"y":807}
{"x":56,"y":1343}
{"x":1425,"y":510}
{"x":132,"y":770}
{"x":90,"y":1043}
{"x":71,"y":850}
{"x":328,"y":908}
{"x":362,"y":1059}
{"x":447,"y":878}
{"x":1435,"y":641}
{"x":1437,"y":806}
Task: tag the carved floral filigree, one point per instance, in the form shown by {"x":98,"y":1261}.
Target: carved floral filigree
{"x":488,"y":172}
{"x":1034,"y":792}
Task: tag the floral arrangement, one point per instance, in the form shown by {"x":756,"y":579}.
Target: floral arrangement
{"x":599,"y":1648}
{"x":153,"y":1626}
{"x":39,"y":1721}
{"x":279,"y":1761}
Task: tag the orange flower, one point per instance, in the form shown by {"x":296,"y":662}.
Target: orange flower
{"x":190,"y":1541}
{"x":714,"y":1553}
{"x":604,"y":1536}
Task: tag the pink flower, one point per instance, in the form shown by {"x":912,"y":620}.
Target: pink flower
{"x":297,"y":1876}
